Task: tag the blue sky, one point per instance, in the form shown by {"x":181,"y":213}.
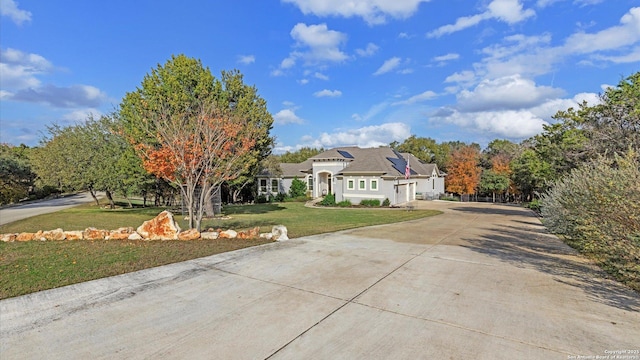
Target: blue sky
{"x":333,"y":72}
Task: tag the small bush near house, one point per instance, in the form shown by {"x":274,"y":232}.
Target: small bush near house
{"x":344,"y":203}
{"x":262,"y":199}
{"x":386,"y":203}
{"x":298,"y":188}
{"x":595,"y":210}
{"x":281,"y":197}
{"x":370,"y":203}
{"x":329,"y":200}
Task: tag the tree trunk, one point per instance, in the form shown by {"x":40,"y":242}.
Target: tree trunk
{"x":93,"y":195}
{"x":112,"y":205}
{"x":213,"y":203}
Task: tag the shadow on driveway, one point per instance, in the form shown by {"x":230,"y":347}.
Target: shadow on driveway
{"x":535,"y":247}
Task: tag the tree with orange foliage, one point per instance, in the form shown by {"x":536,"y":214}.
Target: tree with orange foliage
{"x":463,"y":175}
{"x":186,"y":133}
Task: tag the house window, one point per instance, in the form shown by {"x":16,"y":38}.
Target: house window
{"x":374,"y":185}
{"x":310,"y":183}
{"x":263,"y":185}
{"x":274,"y":185}
{"x":433,"y":183}
{"x":350,"y":184}
{"x":362,"y":185}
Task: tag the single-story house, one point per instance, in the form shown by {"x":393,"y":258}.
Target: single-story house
{"x":355,"y":174}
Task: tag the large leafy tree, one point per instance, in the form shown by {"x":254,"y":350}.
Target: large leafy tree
{"x":16,"y":177}
{"x":299,"y":155}
{"x":194,"y":130}
{"x":463,"y":174}
{"x":245,"y":102}
{"x":86,"y":156}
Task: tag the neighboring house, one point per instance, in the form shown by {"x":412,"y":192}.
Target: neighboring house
{"x":355,"y":174}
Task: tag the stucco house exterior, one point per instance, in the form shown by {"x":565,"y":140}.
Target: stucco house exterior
{"x":355,"y":174}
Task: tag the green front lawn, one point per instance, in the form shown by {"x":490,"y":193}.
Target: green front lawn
{"x":28,"y":267}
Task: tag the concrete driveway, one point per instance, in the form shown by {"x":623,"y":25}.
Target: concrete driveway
{"x":478,"y":282}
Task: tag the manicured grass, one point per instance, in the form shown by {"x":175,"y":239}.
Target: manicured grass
{"x":33,"y":266}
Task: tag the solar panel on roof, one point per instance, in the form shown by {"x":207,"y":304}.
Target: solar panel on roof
{"x":400,"y":163}
{"x":345,"y":154}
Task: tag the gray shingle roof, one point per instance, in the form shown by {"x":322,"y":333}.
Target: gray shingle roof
{"x":363,"y":161}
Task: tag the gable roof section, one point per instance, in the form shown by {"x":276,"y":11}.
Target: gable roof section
{"x":383,"y":161}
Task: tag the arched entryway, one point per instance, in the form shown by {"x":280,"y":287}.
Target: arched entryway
{"x":324,"y":184}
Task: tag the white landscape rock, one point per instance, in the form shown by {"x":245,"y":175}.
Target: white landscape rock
{"x":134,"y":236}
{"x":209,"y":235}
{"x":279,"y":233}
{"x":267,"y":236}
{"x":228,"y":234}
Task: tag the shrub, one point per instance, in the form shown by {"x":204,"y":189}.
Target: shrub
{"x":298,"y":188}
{"x":386,"y":202}
{"x":262,"y":199}
{"x":280,"y":197}
{"x":595,"y":209}
{"x":370,"y":203}
{"x":329,"y":200}
{"x":534,"y":205}
{"x":344,"y":203}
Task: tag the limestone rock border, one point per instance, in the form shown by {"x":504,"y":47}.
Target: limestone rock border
{"x":170,"y":230}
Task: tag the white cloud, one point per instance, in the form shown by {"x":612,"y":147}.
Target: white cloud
{"x":316,"y":44}
{"x":368,"y":136}
{"x":388,"y":65}
{"x":320,"y":76}
{"x":62,"y":97}
{"x":447,"y":57}
{"x":633,"y":56}
{"x":372,"y":11}
{"x":18,"y":70}
{"x":509,"y":11}
{"x":511,"y":107}
{"x":287,"y":116}
{"x":509,"y":124}
{"x":10,"y":8}
{"x":303,"y":81}
{"x":370,"y":50}
{"x":246,"y":59}
{"x":627,"y":33}
{"x":80,"y":115}
{"x":427,"y":95}
{"x":371,"y":112}
{"x":510,"y":92}
{"x":328,"y":93}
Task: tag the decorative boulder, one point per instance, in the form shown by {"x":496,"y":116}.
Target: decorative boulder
{"x":279,"y":233}
{"x":39,"y":235}
{"x":267,"y":236}
{"x":249,"y":234}
{"x":54,"y":235}
{"x":94,"y":234}
{"x":191,"y":234}
{"x":25,"y":237}
{"x":162,"y":227}
{"x":134,"y":236}
{"x":73,"y":235}
{"x":9,"y":237}
{"x":227,"y":234}
{"x":209,"y":235}
{"x":120,"y":233}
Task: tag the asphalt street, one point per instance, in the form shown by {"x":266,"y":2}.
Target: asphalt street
{"x":19,"y":212}
{"x":480,"y":281}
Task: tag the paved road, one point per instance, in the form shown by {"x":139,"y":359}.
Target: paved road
{"x":19,"y":212}
{"x":478,"y":282}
